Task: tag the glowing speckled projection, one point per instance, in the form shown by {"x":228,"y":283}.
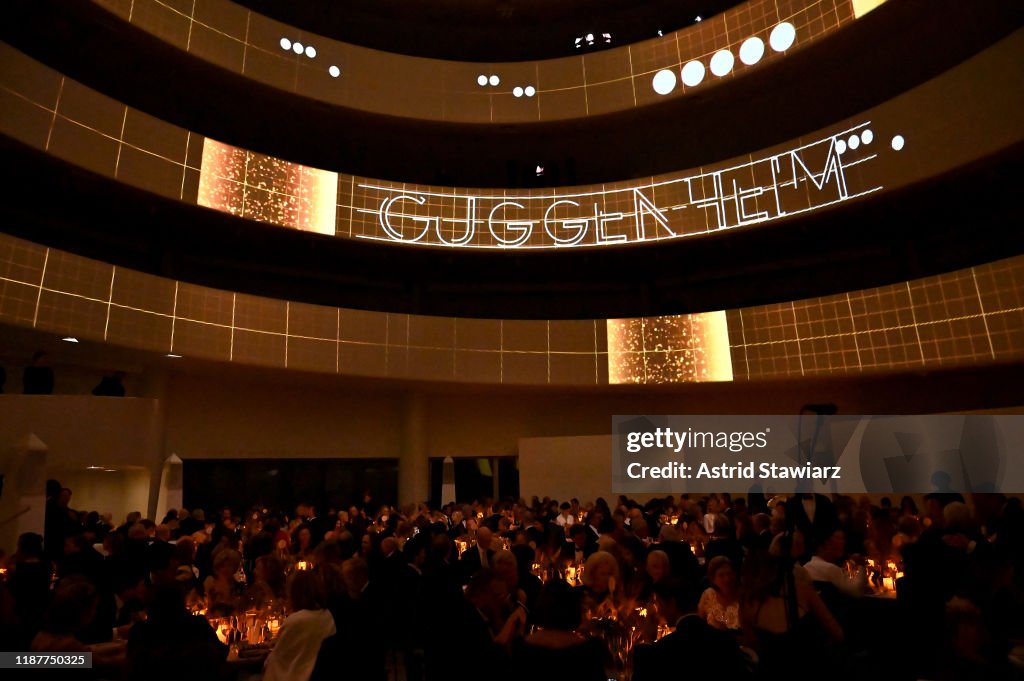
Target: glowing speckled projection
{"x":267,"y":189}
{"x":691,"y":348}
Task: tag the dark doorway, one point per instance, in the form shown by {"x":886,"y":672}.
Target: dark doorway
{"x":283,"y":483}
{"x":477,"y":477}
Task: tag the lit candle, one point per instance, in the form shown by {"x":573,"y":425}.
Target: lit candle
{"x":302,"y":565}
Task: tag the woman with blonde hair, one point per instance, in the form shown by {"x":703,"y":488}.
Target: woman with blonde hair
{"x":303,"y":632}
{"x":601,"y":584}
{"x":221,"y":588}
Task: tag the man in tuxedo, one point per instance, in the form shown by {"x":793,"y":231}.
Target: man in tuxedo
{"x":580,"y":546}
{"x":317,"y":526}
{"x":477,"y":557}
{"x":706,"y":652}
{"x":815,"y":516}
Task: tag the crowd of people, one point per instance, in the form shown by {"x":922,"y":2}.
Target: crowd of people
{"x":734,"y":587}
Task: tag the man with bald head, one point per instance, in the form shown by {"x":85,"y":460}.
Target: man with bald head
{"x":477,"y":557}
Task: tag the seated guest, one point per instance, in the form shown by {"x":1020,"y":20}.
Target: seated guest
{"x":529,"y":583}
{"x":722,"y":541}
{"x":120,"y":606}
{"x":268,"y":581}
{"x":477,"y":557}
{"x":565,"y":517}
{"x":581,"y":545}
{"x":303,"y":632}
{"x":81,"y":558}
{"x":683,"y":563}
{"x":362,"y":612}
{"x":221,"y":588}
{"x":72,"y":610}
{"x":554,"y":652}
{"x":29,"y":583}
{"x":705,"y":651}
{"x":656,"y":569}
{"x":302,"y":543}
{"x":172,"y":644}
{"x":601,"y":584}
{"x":720,"y":603}
{"x":634,"y":556}
{"x":762,"y":538}
{"x":188,"y":574}
{"x":823,"y":567}
{"x":483,"y":625}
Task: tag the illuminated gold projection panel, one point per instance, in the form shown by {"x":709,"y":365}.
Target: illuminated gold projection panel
{"x":972,"y":316}
{"x":267,"y":189}
{"x":671,"y":349}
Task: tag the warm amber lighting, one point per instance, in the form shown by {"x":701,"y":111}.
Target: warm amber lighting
{"x":267,"y":189}
{"x":671,"y":349}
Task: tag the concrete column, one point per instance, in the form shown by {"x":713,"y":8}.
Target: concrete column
{"x":170,"y":494}
{"x":448,"y":484}
{"x":413,"y":462}
{"x":23,"y":497}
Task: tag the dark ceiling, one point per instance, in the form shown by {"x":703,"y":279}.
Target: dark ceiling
{"x":487,"y":30}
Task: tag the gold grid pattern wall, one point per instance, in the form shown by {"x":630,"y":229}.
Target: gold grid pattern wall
{"x":62,"y":293}
{"x":972,"y":316}
{"x":618,"y":79}
{"x":50,"y":112}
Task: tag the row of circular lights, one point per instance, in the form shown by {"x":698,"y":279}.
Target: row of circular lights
{"x":494,"y":81}
{"x":751,"y":51}
{"x":310,"y":51}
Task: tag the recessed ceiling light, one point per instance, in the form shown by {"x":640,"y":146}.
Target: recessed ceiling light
{"x":721,"y":62}
{"x":334,"y":71}
{"x":530,"y":91}
{"x":664,"y":81}
{"x":494,"y":80}
{"x":70,"y":339}
{"x":782,"y":37}
{"x":310,"y":51}
{"x":751,"y":51}
{"x":517,"y":91}
{"x":173,"y":356}
{"x":693,"y":73}
{"x":94,"y":468}
{"x":286,"y":44}
{"x":109,"y":470}
{"x":297,"y":48}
